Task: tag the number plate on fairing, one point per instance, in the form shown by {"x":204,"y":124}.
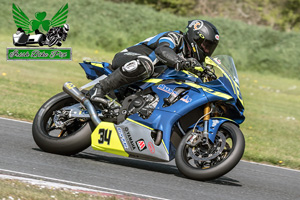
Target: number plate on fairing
{"x":130,"y":139}
{"x":105,"y":138}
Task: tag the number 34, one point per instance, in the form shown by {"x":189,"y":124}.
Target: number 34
{"x":105,"y":136}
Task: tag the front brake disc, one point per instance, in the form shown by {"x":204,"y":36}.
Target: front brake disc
{"x":201,"y":155}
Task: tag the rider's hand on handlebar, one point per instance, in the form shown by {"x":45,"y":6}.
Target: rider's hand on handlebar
{"x":194,"y":62}
{"x":186,"y":64}
{"x":182,"y":65}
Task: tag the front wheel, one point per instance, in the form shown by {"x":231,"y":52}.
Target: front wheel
{"x":54,"y":132}
{"x":52,"y":41}
{"x":202,"y":163}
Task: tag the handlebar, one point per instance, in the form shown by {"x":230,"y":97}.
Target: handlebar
{"x":204,"y":72}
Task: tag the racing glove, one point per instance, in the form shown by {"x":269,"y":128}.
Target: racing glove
{"x":187,"y":64}
{"x":182,"y":65}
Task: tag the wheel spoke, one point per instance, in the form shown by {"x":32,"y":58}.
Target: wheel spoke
{"x":61,"y":133}
{"x":51,"y":128}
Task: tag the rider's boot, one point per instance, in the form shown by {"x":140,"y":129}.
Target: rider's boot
{"x":115,"y":80}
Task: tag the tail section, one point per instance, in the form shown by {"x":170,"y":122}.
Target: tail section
{"x":95,"y":69}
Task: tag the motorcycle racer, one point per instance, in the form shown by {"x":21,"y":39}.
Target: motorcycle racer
{"x":62,"y":32}
{"x":173,"y":48}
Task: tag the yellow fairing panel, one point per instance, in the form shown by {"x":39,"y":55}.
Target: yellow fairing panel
{"x":105,"y":138}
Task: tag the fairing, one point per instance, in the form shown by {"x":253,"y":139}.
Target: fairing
{"x":224,"y":89}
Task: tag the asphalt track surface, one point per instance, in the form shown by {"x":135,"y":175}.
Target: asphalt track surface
{"x":117,"y":174}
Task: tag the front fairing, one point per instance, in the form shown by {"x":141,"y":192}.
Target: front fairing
{"x":227,"y":81}
{"x":225,"y":86}
{"x":228,"y":78}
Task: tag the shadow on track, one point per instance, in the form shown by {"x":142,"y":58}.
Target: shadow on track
{"x":152,"y":166}
{"x":133,"y":163}
{"x":164,"y":168}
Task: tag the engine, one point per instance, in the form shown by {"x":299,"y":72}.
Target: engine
{"x":143,"y":105}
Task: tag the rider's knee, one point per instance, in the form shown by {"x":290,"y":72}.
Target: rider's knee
{"x":140,"y":68}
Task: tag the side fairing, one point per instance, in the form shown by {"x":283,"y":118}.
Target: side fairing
{"x":164,"y":116}
{"x":130,"y":139}
{"x":105,"y":138}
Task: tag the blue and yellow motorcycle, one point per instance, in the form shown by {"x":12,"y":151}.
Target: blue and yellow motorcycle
{"x":190,"y":115}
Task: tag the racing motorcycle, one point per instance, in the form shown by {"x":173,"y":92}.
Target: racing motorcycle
{"x":190,"y":115}
{"x":55,"y":37}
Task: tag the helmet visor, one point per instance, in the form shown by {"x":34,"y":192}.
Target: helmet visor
{"x":208,"y":47}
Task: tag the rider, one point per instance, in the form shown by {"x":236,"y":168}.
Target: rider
{"x":64,"y":31}
{"x":173,"y":48}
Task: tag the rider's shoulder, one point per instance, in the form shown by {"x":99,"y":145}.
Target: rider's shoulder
{"x":176,"y":36}
{"x":177,"y":33}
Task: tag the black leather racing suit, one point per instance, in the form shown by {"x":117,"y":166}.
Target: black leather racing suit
{"x":168,"y":48}
{"x":138,"y":62}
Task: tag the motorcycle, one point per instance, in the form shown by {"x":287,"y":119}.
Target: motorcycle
{"x":55,"y":37}
{"x":190,"y":115}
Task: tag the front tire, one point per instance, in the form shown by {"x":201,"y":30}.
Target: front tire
{"x":211,"y":169}
{"x":52,"y":41}
{"x":75,"y":139}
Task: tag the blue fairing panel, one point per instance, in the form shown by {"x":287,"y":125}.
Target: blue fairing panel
{"x":183,"y":75}
{"x":162,"y":117}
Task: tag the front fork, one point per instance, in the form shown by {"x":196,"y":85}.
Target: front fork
{"x":201,"y":137}
{"x":207,"y":111}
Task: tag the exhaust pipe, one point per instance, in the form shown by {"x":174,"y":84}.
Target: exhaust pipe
{"x":73,"y":91}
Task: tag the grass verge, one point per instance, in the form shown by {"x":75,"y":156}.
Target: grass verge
{"x":17,"y":190}
{"x":272,"y":119}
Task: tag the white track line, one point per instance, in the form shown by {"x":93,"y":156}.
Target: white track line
{"x":266,"y":165}
{"x":82,"y":185}
{"x":15,"y":120}
{"x":274,"y":166}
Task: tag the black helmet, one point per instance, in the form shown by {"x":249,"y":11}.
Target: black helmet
{"x":203,"y":38}
{"x":66,"y":28}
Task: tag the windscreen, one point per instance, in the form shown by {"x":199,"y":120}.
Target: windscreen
{"x":228,"y":65}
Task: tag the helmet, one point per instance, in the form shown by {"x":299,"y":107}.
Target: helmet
{"x":66,"y":28}
{"x":203,"y":38}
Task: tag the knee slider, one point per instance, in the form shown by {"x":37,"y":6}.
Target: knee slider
{"x":140,"y":68}
{"x":130,"y":68}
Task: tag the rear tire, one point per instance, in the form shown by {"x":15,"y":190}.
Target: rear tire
{"x":73,"y":142}
{"x":230,"y":158}
{"x":41,"y":42}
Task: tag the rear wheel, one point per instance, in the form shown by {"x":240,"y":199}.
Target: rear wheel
{"x":202,"y":163}
{"x":42,"y":40}
{"x":55,"y":133}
